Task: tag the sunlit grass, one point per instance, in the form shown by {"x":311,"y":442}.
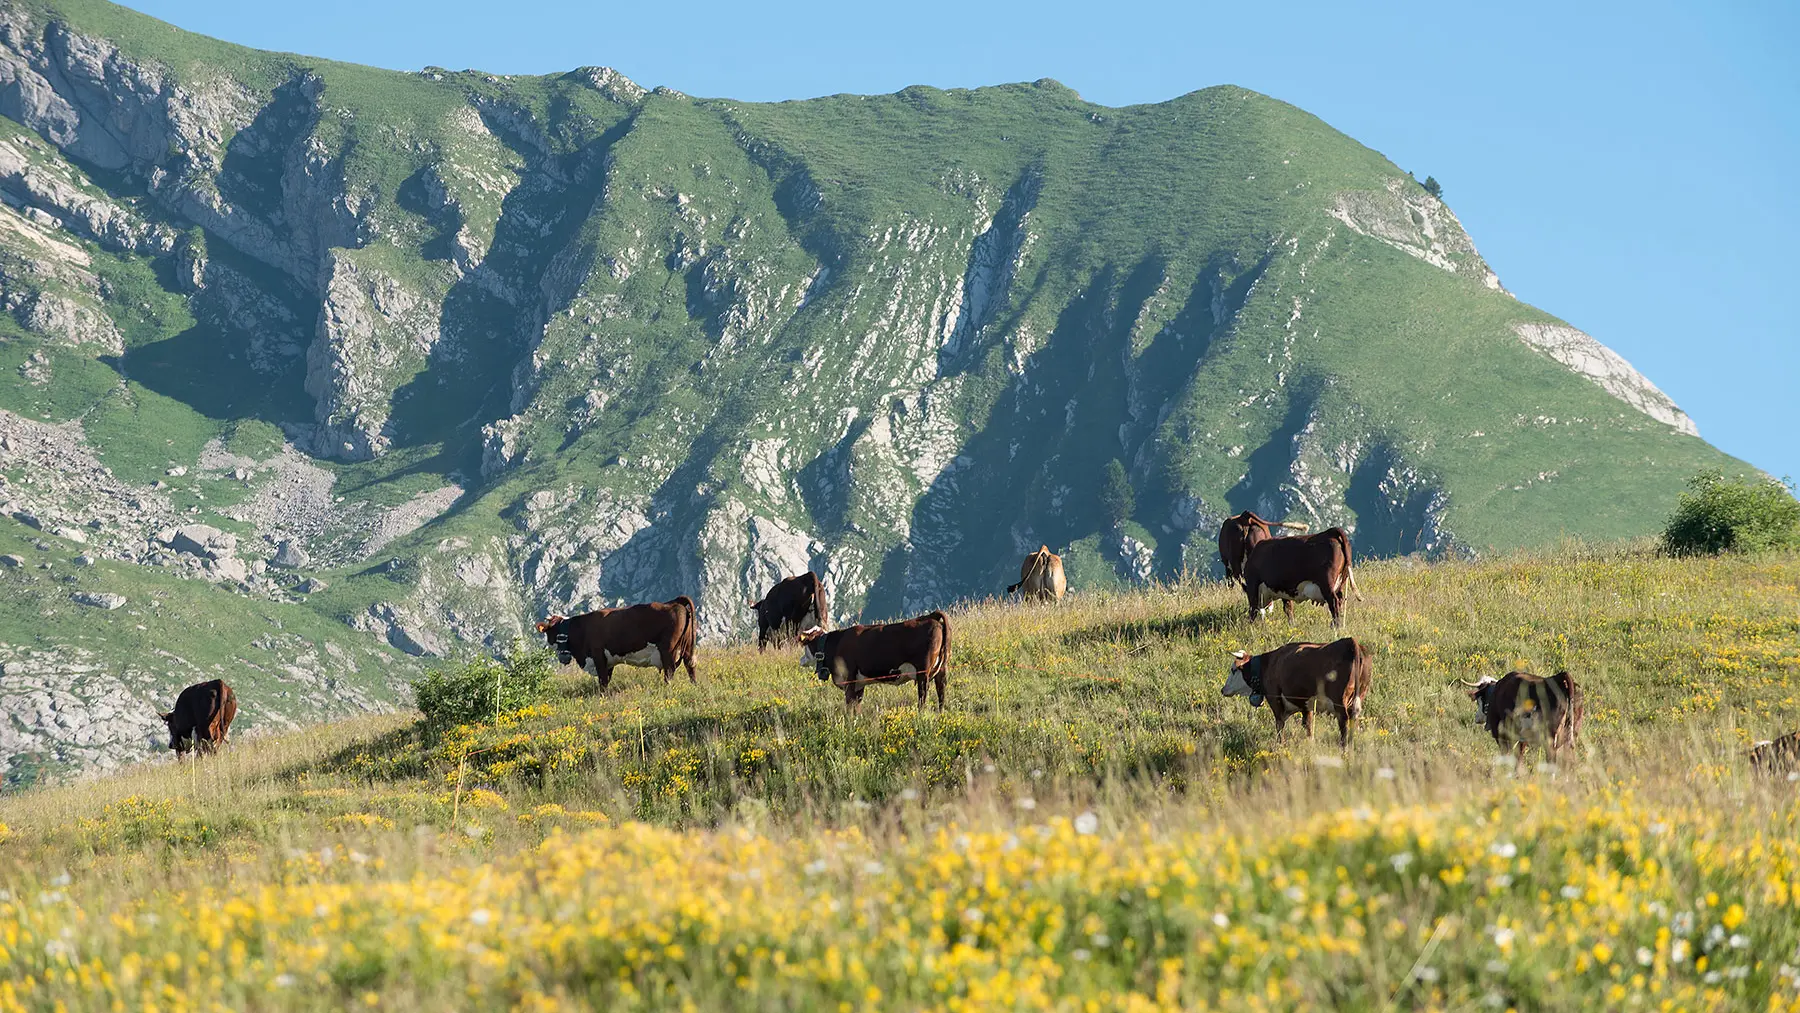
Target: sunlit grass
{"x":1089,"y":822}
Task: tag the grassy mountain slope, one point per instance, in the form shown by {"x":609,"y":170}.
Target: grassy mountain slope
{"x":477,"y":347}
{"x":1087,"y":821}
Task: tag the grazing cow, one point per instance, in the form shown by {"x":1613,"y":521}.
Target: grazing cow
{"x":1041,"y":576}
{"x":1521,"y":709}
{"x":1293,"y":677}
{"x":1239,"y":534}
{"x":1311,"y":568}
{"x":1777,"y":756}
{"x":792,"y":605}
{"x":658,"y":634}
{"x":851,"y":658}
{"x":201,"y":718}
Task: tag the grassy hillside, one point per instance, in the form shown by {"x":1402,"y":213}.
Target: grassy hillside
{"x":1089,"y":825}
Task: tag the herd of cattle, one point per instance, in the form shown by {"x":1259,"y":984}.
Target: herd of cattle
{"x":1518,"y":709}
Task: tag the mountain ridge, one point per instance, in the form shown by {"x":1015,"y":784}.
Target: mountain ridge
{"x":479,"y":347}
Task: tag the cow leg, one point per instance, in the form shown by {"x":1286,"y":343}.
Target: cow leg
{"x":1255,"y":602}
{"x":1287,"y":607}
{"x":923,"y":682}
{"x":1335,"y":602}
{"x":940,"y":679}
{"x":1306,"y":717}
{"x":1346,"y":726}
{"x":603,"y":672}
{"x":687,"y":661}
{"x":1278,"y":708}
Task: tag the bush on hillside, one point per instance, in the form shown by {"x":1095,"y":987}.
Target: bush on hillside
{"x":1739,"y":515}
{"x":1116,"y":495}
{"x":1433,"y":187}
{"x":479,"y":689}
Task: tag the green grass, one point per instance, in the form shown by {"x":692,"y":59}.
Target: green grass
{"x":1224,"y":865}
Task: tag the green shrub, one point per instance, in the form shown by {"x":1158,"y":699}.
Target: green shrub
{"x":479,"y":689}
{"x":1741,"y":515}
{"x":1116,"y":495}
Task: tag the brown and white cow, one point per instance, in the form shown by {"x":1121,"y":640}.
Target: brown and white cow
{"x":792,"y":605}
{"x":1041,"y":576}
{"x":1520,"y":709}
{"x":1777,"y":756}
{"x":1311,"y":568}
{"x":1239,"y":534}
{"x":201,"y":718}
{"x":1294,"y":677}
{"x":657,"y":634}
{"x":851,"y":658}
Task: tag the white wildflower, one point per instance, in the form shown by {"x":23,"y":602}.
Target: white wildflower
{"x":1220,"y":919}
{"x":873,"y":867}
{"x":1101,"y":940}
{"x":1081,"y":955}
{"x":1678,"y":952}
{"x":1571,"y":892}
{"x":1027,"y":804}
{"x":1739,"y":941}
{"x":1505,"y":849}
{"x":1646,"y":956}
{"x":909,"y":794}
{"x":1087,"y":823}
{"x":1385,"y":773}
{"x":1401,"y":861}
{"x":816,"y":866}
{"x":1503,"y":937}
{"x":481,"y":916}
{"x":1683,"y":925}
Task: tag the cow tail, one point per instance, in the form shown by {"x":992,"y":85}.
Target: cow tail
{"x":1362,"y":675}
{"x":1010,"y":588}
{"x":821,"y":602}
{"x":692,"y":633}
{"x":1571,"y":694}
{"x":941,"y":670}
{"x":1349,"y":567}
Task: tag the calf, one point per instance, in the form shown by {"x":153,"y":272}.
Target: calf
{"x":1293,"y":677}
{"x":658,"y":634}
{"x":1521,"y":709}
{"x":1311,"y":568}
{"x":201,"y":718}
{"x":792,"y":605}
{"x":1776,"y":756}
{"x":1239,"y":534}
{"x":851,"y":658}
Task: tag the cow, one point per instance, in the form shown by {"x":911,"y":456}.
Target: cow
{"x":1775,"y":756}
{"x":201,"y":718}
{"x":1239,"y":534}
{"x":1520,"y":709}
{"x":1310,"y":568}
{"x":1294,"y":677}
{"x":1041,"y":576}
{"x":658,"y":634}
{"x":851,"y":658}
{"x":792,"y":605}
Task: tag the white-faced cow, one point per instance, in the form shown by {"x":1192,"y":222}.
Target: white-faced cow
{"x":1239,"y":534}
{"x":201,"y":718}
{"x":1311,"y":568}
{"x":1041,"y":576}
{"x":916,"y":649}
{"x":658,"y":634}
{"x":1295,"y":677}
{"x":1520,"y":709}
{"x":792,"y":605}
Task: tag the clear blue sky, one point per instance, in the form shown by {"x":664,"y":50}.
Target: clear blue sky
{"x":1631,"y":167}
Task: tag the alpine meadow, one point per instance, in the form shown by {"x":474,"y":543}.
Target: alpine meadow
{"x":378,"y":395}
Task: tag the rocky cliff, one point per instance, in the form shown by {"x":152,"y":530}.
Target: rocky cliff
{"x":421,"y":356}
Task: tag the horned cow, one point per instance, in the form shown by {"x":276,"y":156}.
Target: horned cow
{"x":202,"y":717}
{"x":1775,"y":756}
{"x":1294,"y":677}
{"x":654,"y":634}
{"x":851,"y":658}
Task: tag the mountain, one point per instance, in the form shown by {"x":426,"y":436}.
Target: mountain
{"x":377,"y":363}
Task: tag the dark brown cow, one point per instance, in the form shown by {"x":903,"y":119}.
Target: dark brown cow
{"x":851,"y":658}
{"x":201,"y":718}
{"x":1239,"y":534}
{"x":1521,"y":709}
{"x":1311,"y":568}
{"x":1294,"y":677}
{"x":657,"y":634}
{"x":1777,"y":756}
{"x":792,"y":605}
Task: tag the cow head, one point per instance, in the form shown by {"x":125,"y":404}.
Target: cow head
{"x":812,"y":654}
{"x":179,"y":743}
{"x":1243,"y":679}
{"x":1481,"y":691}
{"x":557,"y":638}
